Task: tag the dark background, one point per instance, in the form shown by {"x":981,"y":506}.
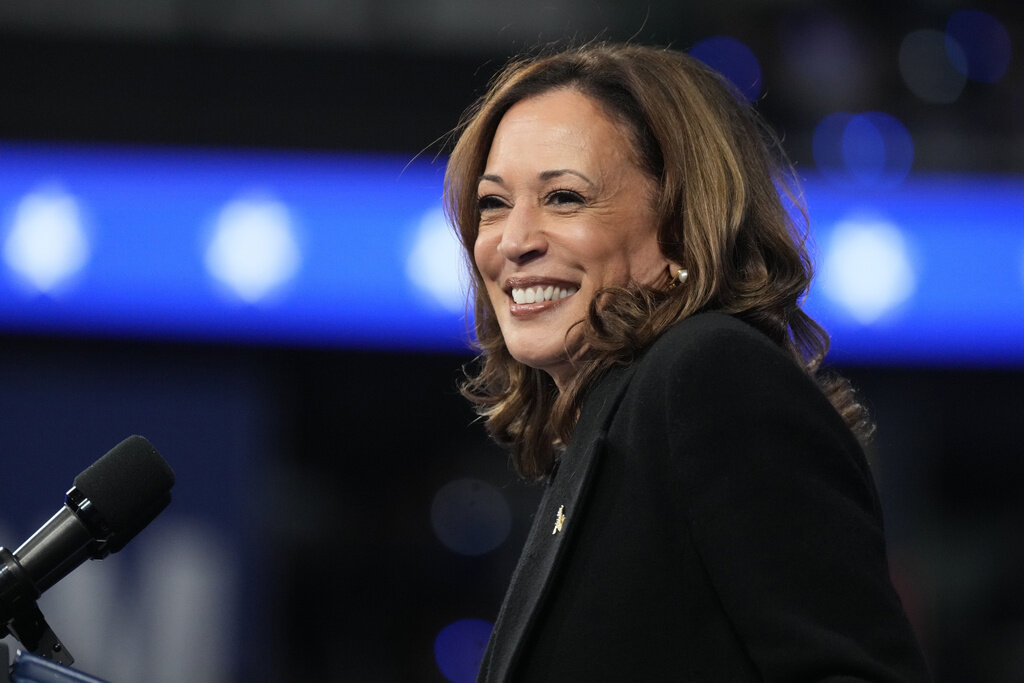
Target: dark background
{"x":312,"y":470}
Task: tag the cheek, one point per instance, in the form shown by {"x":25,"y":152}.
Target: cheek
{"x":485,"y":254}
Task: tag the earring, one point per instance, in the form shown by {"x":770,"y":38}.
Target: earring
{"x":678,"y":275}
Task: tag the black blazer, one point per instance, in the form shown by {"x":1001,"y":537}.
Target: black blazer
{"x":717,"y":521}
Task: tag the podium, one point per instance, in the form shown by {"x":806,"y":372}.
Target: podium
{"x":28,"y":668}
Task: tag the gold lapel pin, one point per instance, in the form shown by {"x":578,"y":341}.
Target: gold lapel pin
{"x":559,"y":520}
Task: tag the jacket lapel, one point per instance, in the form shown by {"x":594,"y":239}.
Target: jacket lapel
{"x":560,"y":512}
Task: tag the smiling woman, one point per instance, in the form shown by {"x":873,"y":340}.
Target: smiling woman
{"x":708,"y":512}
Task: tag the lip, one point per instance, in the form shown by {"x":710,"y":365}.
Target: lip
{"x":529,"y":310}
{"x":524,"y":281}
{"x":525,"y":311}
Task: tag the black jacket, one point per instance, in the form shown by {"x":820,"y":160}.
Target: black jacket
{"x":720,"y":524}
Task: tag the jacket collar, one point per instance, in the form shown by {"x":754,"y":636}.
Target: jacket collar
{"x":559,"y":514}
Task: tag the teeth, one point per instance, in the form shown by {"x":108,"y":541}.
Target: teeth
{"x":532,"y":295}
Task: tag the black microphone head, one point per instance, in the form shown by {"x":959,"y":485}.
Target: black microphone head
{"x":128,"y":487}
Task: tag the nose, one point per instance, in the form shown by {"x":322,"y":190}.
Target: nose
{"x":523,"y":238}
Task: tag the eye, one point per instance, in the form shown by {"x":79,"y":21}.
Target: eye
{"x":563,"y":197}
{"x":489,"y":202}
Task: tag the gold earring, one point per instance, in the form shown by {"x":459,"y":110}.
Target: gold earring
{"x":678,"y":275}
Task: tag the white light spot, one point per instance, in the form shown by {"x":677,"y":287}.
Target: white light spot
{"x":46,"y":244}
{"x":470,"y":516}
{"x":253,"y":249}
{"x":867,"y":268}
{"x":435,"y":262}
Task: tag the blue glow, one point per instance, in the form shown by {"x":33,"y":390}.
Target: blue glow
{"x":967,"y":300}
{"x":827,"y":146}
{"x":732,"y":59}
{"x":877,"y":149}
{"x":459,"y":647}
{"x":869,"y":149}
{"x":152,"y":212}
{"x":983,"y":42}
{"x":374,"y":268}
{"x":863,"y":149}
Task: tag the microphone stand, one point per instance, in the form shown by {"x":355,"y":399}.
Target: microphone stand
{"x":20,"y":615}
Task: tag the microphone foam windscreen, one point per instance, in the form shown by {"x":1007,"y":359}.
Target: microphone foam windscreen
{"x":129,"y":487}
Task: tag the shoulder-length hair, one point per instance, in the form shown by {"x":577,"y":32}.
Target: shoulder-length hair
{"x":729,"y":210}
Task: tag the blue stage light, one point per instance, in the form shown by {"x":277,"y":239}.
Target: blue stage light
{"x":877,"y":149}
{"x":435,"y":263}
{"x":732,"y":59}
{"x":827,"y":146}
{"x":47,"y":244}
{"x":459,"y":648}
{"x":866,"y":268}
{"x":351,"y":251}
{"x":983,"y":42}
{"x":872,"y":149}
{"x":252,"y":249}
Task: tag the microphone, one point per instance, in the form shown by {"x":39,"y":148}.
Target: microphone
{"x":110,"y":502}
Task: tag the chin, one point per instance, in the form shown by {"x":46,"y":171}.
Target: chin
{"x":536,"y":361}
{"x":552,"y":359}
{"x":541,"y":345}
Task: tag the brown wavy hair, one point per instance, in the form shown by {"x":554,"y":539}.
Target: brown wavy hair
{"x":729,"y":209}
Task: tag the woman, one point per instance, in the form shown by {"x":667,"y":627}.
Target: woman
{"x":708,"y":512}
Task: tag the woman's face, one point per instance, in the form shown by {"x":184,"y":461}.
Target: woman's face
{"x":564,"y":212}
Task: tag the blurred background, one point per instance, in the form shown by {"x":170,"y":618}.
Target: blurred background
{"x":220,"y":228}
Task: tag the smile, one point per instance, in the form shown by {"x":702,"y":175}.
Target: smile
{"x":539,"y":294}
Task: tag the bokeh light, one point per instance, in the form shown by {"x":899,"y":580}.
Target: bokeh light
{"x":867,"y":268}
{"x":983,"y":43}
{"x":253,"y":250}
{"x":459,"y":647}
{"x":932,"y":66}
{"x":470,"y":516}
{"x":435,"y":265}
{"x":869,"y":149}
{"x":877,"y":149}
{"x":46,"y":244}
{"x":827,"y":145}
{"x":732,"y":59}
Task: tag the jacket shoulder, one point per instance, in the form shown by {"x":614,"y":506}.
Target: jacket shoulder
{"x":719,"y":367}
{"x":715,"y":342}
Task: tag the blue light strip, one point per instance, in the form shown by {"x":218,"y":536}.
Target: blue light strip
{"x":360,"y":223}
{"x":964,"y":239}
{"x":148,"y":211}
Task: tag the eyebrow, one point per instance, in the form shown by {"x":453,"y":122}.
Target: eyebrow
{"x":544,"y":175}
{"x":548,"y":175}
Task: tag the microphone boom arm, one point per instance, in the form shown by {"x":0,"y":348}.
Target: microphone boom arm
{"x":23,"y":618}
